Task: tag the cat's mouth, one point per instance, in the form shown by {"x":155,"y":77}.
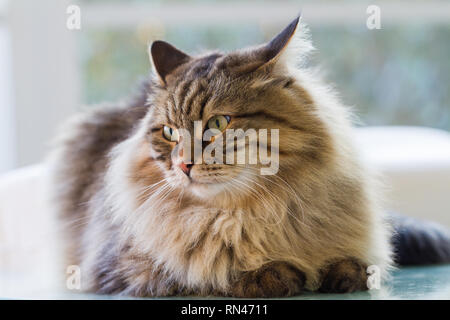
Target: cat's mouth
{"x":210,"y":174}
{"x":206,"y":180}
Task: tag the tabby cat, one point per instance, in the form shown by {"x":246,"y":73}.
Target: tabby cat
{"x":141,"y":220}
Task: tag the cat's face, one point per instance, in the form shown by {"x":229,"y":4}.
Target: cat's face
{"x":201,"y":99}
{"x":196,"y":101}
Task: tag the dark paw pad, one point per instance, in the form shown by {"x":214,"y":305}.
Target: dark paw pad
{"x":343,"y":277}
{"x":276,"y":279}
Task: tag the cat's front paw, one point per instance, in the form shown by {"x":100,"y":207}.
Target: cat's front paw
{"x":344,"y":276}
{"x":275,"y":279}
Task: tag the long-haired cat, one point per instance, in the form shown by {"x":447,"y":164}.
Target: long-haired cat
{"x":141,"y":220}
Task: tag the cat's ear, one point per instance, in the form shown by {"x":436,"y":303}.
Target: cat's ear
{"x":275,"y":47}
{"x":165,"y":58}
{"x":289,"y":46}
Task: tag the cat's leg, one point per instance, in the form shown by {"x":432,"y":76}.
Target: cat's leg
{"x":143,"y":284}
{"x":275,"y":279}
{"x":133,"y":275}
{"x":344,"y":276}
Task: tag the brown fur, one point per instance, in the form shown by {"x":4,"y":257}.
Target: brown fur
{"x":344,"y":276}
{"x":243,"y":234}
{"x":275,"y":279}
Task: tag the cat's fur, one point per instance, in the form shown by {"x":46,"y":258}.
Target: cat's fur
{"x":314,"y":225}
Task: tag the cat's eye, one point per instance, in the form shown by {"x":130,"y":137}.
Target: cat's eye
{"x":170,"y":133}
{"x":219,"y":122}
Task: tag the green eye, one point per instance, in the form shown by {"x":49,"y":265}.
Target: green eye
{"x":170,"y":134}
{"x":218,"y":122}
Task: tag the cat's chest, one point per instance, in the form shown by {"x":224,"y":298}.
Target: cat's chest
{"x":211,"y":224}
{"x":195,"y":230}
{"x":201,"y":243}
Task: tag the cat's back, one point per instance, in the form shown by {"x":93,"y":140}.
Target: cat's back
{"x":80,"y":158}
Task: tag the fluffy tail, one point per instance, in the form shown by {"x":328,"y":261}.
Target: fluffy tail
{"x":419,"y":242}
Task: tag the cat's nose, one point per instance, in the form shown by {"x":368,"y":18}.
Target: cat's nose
{"x":186,"y":167}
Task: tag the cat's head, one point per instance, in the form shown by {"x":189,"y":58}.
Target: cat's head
{"x":196,"y":100}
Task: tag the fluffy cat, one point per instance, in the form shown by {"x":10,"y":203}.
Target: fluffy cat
{"x":140,"y":221}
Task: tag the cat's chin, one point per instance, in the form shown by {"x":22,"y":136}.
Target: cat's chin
{"x":206,"y":190}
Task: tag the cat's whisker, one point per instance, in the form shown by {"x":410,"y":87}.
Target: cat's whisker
{"x":257,"y":197}
{"x":180,"y":198}
{"x":160,"y":195}
{"x":295,"y":195}
{"x":288,"y":210}
{"x":158,"y":190}
{"x":267,"y":204}
{"x":235,"y":186}
{"x":152,"y":186}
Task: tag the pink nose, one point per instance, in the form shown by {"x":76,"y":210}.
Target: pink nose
{"x":186,"y":168}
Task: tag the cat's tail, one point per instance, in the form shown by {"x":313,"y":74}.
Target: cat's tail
{"x":418,"y":242}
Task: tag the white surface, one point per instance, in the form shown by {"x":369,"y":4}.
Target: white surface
{"x":406,"y":148}
{"x":415,"y":163}
{"x":27,"y":234}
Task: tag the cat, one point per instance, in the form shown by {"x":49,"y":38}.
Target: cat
{"x":142,"y":220}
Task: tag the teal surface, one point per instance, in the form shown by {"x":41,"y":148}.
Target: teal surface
{"x":407,"y":284}
{"x":411,"y":283}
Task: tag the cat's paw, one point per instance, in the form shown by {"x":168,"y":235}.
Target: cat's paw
{"x":344,"y":276}
{"x":275,"y":279}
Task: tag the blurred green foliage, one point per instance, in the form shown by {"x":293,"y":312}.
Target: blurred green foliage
{"x":396,"y":75}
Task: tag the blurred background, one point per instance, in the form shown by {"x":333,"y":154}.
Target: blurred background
{"x":396,"y":79}
{"x":398,"y":75}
